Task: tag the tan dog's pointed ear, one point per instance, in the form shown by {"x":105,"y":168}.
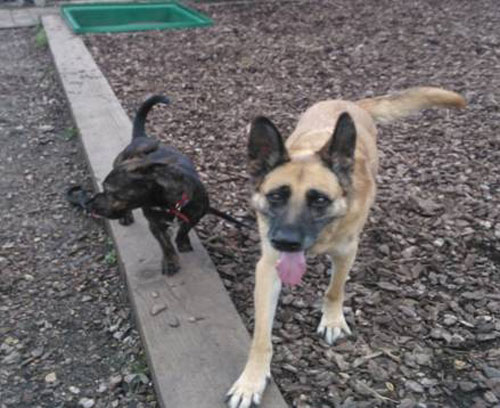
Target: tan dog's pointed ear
{"x":266,"y":149}
{"x":338,"y":152}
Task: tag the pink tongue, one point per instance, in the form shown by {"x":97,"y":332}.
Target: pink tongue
{"x":291,"y":267}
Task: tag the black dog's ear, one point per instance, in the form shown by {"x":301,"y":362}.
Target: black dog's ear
{"x":266,"y":149}
{"x":338,"y":152}
{"x":140,"y":147}
{"x":139,"y":166}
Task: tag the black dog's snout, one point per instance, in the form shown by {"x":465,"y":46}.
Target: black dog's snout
{"x":287,"y":239}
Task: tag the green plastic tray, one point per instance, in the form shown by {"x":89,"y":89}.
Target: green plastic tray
{"x":119,"y":17}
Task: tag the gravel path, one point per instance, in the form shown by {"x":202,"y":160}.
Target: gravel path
{"x":424,"y":295}
{"x":67,"y":338}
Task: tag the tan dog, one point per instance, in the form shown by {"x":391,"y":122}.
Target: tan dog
{"x":314,"y":195}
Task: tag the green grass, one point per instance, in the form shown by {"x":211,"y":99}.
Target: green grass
{"x":41,"y":40}
{"x":140,"y":369}
{"x":140,"y":366}
{"x":110,"y":257}
{"x":69,"y":133}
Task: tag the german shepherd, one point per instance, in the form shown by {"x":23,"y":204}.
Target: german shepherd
{"x":313,"y":195}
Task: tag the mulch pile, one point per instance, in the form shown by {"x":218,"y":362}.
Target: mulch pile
{"x":424,"y":294}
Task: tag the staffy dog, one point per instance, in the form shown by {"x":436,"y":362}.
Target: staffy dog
{"x":313,"y":194}
{"x":161,"y":181}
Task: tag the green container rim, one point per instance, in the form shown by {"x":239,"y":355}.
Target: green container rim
{"x":197,"y":19}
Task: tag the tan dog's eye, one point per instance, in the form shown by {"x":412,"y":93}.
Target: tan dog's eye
{"x":278,"y":196}
{"x":321,"y":201}
{"x":274,"y":197}
{"x":317,"y":199}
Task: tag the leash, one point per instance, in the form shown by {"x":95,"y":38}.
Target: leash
{"x":176,"y":210}
{"x":77,"y":196}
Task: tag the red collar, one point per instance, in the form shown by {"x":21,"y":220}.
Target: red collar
{"x":176,"y":210}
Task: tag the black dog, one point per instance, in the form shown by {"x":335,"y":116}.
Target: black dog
{"x":160,"y":180}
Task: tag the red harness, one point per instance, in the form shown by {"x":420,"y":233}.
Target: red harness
{"x":176,"y":210}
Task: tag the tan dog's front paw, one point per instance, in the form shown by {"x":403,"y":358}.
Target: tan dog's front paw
{"x":247,"y":391}
{"x":333,"y":327}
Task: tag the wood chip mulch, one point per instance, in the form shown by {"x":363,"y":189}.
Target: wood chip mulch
{"x":424,"y":294}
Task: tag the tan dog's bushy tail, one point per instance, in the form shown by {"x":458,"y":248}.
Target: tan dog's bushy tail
{"x":391,"y":107}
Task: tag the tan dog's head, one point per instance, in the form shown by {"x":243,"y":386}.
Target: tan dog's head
{"x":297,"y":197}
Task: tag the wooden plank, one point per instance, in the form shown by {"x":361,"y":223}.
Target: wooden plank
{"x":6,"y":20}
{"x":195,"y":363}
{"x":23,"y":18}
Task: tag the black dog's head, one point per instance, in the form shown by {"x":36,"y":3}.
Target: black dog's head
{"x":146,"y":174}
{"x":128,"y":186}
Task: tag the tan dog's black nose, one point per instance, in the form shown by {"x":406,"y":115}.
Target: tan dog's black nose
{"x":287,"y":239}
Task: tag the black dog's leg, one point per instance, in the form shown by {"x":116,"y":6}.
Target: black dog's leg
{"x":182,"y":239}
{"x":170,"y":262}
{"x":127,"y":219}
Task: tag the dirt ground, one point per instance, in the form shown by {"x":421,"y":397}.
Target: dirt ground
{"x":424,"y":294}
{"x":67,"y":338}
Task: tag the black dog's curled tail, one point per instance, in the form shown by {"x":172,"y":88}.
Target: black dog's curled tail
{"x":140,"y":117}
{"x":227,"y":217}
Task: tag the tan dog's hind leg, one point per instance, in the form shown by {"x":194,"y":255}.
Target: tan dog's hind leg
{"x":333,"y":325}
{"x":248,"y":389}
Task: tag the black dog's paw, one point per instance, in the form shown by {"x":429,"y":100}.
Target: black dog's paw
{"x":170,"y":267}
{"x":184,"y":245}
{"x":127,"y":219}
